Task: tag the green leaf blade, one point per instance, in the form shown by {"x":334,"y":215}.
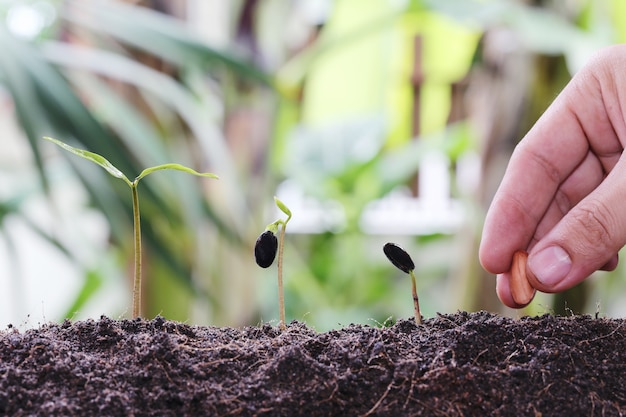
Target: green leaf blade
{"x":175,"y":167}
{"x":93,"y":157}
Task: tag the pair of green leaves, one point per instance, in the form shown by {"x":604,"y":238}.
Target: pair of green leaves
{"x":111,"y":169}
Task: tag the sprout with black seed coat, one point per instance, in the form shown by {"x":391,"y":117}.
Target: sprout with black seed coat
{"x":265,"y":251}
{"x":402,"y":260}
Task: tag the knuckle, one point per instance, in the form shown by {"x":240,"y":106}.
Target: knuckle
{"x":550,"y":170}
{"x":596,"y":228}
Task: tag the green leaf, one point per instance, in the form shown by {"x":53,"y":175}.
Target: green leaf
{"x":93,"y":157}
{"x":283,"y":208}
{"x":176,"y":167}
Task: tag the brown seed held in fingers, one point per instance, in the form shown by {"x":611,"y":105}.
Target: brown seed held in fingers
{"x":521,"y":290}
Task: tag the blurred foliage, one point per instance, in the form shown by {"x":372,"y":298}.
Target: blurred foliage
{"x":68,"y":90}
{"x":378,"y":83}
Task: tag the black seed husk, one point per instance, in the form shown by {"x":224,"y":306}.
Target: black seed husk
{"x":398,"y":257}
{"x":265,"y":249}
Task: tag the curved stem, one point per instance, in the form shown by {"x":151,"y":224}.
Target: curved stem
{"x":281,"y":295}
{"x":416,"y":301}
{"x":137,"y":233}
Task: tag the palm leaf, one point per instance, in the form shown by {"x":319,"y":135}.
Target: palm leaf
{"x":154,"y":32}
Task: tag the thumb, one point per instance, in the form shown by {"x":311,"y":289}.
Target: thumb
{"x":586,"y":239}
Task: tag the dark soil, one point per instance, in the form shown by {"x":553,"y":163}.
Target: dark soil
{"x":462,"y":364}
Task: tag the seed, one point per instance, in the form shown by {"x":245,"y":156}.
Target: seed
{"x":265,"y":249}
{"x":398,"y":257}
{"x":521,"y":290}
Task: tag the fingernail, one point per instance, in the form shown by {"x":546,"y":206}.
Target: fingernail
{"x":550,"y":265}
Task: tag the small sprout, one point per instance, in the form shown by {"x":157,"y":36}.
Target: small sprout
{"x":402,"y":260}
{"x":265,"y":249}
{"x":265,"y":252}
{"x":100,"y":160}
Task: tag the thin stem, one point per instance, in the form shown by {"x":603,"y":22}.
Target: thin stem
{"x":416,"y":301}
{"x":137,"y":230}
{"x":281,"y":295}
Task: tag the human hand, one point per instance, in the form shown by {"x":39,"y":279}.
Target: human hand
{"x":563,"y":196}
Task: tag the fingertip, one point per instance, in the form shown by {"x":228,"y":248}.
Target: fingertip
{"x":483,"y":249}
{"x":491,"y":254}
{"x":504,"y":231}
{"x":484,"y":259}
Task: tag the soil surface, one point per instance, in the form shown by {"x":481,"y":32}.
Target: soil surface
{"x":463,"y":364}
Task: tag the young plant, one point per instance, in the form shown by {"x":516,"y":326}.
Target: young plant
{"x":265,"y":251}
{"x":401,"y":260}
{"x":98,"y":159}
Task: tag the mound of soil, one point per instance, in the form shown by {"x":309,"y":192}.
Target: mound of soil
{"x":462,"y":364}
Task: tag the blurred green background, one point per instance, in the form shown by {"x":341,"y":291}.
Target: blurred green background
{"x":373,"y":120}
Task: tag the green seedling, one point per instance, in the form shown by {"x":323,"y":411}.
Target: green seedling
{"x":402,"y":260}
{"x":265,"y":252}
{"x":100,"y":160}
